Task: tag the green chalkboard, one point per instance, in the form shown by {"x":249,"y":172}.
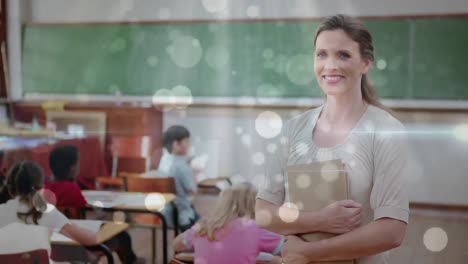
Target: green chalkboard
{"x":415,"y":58}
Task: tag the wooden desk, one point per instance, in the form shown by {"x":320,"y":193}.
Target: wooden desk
{"x":186,"y":258}
{"x":213,"y":183}
{"x":136,"y":203}
{"x":106,"y":232}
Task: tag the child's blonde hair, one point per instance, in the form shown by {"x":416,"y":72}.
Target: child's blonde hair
{"x":237,"y":201}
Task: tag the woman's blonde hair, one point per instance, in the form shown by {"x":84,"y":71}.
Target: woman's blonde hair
{"x":235,"y":202}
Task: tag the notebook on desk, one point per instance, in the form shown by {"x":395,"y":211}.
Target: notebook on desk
{"x":316,"y":185}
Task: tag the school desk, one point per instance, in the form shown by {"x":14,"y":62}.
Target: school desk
{"x":107,"y":231}
{"x":131,"y":202}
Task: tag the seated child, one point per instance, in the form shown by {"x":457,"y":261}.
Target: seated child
{"x":63,"y":162}
{"x":230,"y":234}
{"x":27,"y":206}
{"x":175,"y":163}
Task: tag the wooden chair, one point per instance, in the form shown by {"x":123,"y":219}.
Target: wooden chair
{"x":136,"y":183}
{"x":134,"y":147}
{"x":39,"y":256}
{"x":21,"y":243}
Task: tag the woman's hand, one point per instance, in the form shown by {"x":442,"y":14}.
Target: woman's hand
{"x":341,"y":217}
{"x":293,"y":251}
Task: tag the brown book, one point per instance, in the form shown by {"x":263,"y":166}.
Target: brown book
{"x":314,"y":186}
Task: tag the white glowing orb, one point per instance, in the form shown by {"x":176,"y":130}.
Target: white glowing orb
{"x":288,"y":212}
{"x":163,"y":95}
{"x":330,"y":172}
{"x":435,"y":239}
{"x":258,"y":158}
{"x":49,"y":196}
{"x":246,"y":140}
{"x":154,"y":201}
{"x":185,"y":51}
{"x":461,"y":133}
{"x":182,"y":96}
{"x":303,"y":181}
{"x":268,"y":124}
{"x":271,"y":148}
{"x":381,"y":64}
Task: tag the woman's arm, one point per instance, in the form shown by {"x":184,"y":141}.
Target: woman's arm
{"x":340,"y":217}
{"x":378,"y":236}
{"x":80,"y":235}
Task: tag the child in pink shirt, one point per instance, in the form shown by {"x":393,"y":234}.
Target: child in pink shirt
{"x":230,"y":235}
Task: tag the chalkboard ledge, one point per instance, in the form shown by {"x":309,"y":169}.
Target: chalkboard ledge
{"x":148,"y":101}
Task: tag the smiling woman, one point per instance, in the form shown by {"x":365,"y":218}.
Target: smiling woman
{"x":349,"y":49}
{"x":351,"y":126}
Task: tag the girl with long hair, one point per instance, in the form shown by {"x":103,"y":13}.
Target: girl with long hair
{"x":28,"y":206}
{"x":230,"y":234}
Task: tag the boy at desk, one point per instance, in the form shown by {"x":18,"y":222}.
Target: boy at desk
{"x":64,"y":163}
{"x":175,"y":163}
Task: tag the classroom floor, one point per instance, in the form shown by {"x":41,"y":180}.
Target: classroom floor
{"x":414,"y":250}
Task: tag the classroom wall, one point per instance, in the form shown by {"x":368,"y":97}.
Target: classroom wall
{"x":118,"y":10}
{"x":232,"y":130}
